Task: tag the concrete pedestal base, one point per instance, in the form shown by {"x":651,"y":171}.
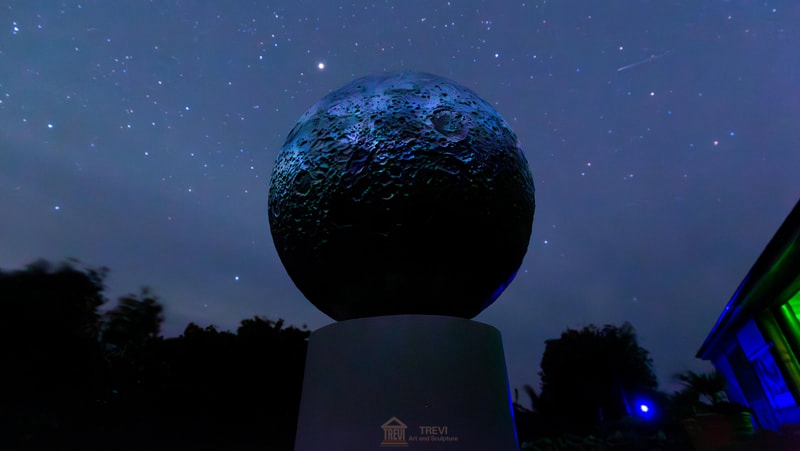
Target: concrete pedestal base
{"x":416,"y":381}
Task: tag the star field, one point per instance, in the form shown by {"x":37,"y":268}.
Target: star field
{"x":662,"y":137}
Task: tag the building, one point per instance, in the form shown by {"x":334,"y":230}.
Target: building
{"x":756,"y":340}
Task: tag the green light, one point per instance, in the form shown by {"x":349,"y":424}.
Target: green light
{"x":782,"y":330}
{"x":792,"y":306}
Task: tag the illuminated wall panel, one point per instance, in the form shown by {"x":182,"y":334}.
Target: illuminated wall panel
{"x":751,"y":339}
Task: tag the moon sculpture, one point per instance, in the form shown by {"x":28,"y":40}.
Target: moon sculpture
{"x":401,"y":193}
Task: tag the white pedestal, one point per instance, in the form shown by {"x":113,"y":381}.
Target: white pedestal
{"x":417,"y":381}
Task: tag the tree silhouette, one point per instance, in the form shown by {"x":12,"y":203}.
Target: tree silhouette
{"x":224,"y":388}
{"x":592,"y":376}
{"x":53,"y":366}
{"x":76,"y":379}
{"x":134,"y":320}
{"x":58,"y":299}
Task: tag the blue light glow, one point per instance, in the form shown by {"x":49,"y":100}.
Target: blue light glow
{"x":645,"y":409}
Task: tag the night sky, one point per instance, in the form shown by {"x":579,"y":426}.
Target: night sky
{"x":141,"y":136}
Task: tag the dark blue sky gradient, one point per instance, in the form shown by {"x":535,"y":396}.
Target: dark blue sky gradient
{"x":141,"y":136}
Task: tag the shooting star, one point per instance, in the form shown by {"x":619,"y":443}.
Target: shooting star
{"x":649,"y":59}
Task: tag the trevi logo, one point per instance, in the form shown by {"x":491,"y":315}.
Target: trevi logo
{"x":394,"y":434}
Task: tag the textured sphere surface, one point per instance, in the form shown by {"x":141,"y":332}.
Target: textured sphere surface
{"x":401,"y":193}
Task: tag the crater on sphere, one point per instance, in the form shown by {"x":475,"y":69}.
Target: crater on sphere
{"x":449,"y":123}
{"x":401,"y":193}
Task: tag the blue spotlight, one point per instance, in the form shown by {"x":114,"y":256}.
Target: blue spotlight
{"x":645,"y":409}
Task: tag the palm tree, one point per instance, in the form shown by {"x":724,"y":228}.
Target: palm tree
{"x":531,"y":425}
{"x":710,"y":385}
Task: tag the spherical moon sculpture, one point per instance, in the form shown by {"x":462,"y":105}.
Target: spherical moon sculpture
{"x":401,"y":193}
